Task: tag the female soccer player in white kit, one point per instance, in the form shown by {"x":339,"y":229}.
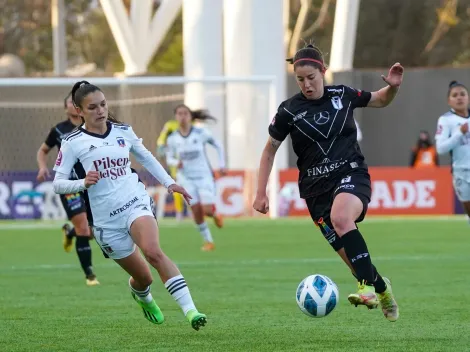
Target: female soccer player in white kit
{"x":186,"y":151}
{"x":452,"y":137}
{"x":122,"y":210}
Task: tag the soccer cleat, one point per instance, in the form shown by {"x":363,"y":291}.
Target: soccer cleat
{"x":388,"y":303}
{"x":196,"y":319}
{"x":151,"y":311}
{"x":67,"y":242}
{"x":92,"y":282}
{"x":208,"y":247}
{"x":365,"y":296}
{"x":218,"y":221}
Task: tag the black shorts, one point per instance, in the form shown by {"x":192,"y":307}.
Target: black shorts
{"x":319,"y":207}
{"x":73,"y":203}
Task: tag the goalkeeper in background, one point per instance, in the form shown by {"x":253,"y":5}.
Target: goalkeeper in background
{"x":170,"y":127}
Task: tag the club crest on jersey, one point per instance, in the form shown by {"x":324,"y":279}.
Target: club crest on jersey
{"x":121,"y":141}
{"x":337,"y":103}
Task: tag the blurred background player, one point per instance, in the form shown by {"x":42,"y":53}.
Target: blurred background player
{"x":424,"y":153}
{"x":186,"y":152}
{"x":452,"y":137}
{"x":73,"y":203}
{"x":168,"y":128}
{"x":123,"y":212}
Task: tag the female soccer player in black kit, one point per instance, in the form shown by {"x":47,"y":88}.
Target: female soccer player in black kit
{"x":333,"y":177}
{"x":74,"y":204}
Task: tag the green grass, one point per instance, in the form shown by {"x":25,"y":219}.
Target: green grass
{"x":246,"y":287}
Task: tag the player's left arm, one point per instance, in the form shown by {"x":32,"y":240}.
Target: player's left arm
{"x":384,"y":96}
{"x":218,"y":147}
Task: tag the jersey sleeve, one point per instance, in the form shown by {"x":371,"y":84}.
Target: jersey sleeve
{"x":146,"y":159}
{"x":359,"y":98}
{"x":51,"y":140}
{"x":445,"y":140}
{"x":66,"y":159}
{"x":209,"y":138}
{"x":280,"y":127}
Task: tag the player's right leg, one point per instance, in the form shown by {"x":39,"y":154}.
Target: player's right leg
{"x":462,"y":190}
{"x":198,"y":215}
{"x":120,"y":247}
{"x":144,"y":231}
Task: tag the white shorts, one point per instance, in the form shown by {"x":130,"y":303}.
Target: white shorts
{"x":117,"y":243}
{"x":202,"y":191}
{"x":462,"y":188}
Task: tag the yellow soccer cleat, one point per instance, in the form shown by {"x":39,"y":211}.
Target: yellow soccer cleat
{"x":388,"y":303}
{"x":67,"y":242}
{"x":92,"y":281}
{"x":365,"y":296}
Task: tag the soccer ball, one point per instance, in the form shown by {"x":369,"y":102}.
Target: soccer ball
{"x":317,"y":296}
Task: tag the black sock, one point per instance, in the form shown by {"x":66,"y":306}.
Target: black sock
{"x":71,"y":234}
{"x":379,"y":283}
{"x":82,"y":245}
{"x":358,"y":254}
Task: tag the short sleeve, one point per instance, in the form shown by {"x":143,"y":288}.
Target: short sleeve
{"x":66,"y":159}
{"x":359,"y":98}
{"x":51,"y":140}
{"x":280,"y":127}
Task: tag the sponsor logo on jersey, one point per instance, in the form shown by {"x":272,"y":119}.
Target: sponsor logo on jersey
{"x":300,"y":116}
{"x":325,"y":167}
{"x":58,"y":161}
{"x":111,"y":168}
{"x":92,"y":147}
{"x":121,"y":142}
{"x":321,"y":118}
{"x":334,"y":90}
{"x":123,"y":208}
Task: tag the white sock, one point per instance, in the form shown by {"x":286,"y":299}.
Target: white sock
{"x":145,"y":295}
{"x":205,"y":232}
{"x":178,"y":289}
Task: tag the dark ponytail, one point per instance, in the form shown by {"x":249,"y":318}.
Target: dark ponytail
{"x":80,"y":90}
{"x":309,"y":55}
{"x":454,"y":84}
{"x":197,"y":115}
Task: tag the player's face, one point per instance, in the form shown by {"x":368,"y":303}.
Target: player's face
{"x":458,"y":99}
{"x":310,"y":81}
{"x":183,"y":116}
{"x":94,"y":109}
{"x":72,"y":114}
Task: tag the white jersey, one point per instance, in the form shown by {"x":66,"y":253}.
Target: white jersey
{"x":118,"y":188}
{"x":449,"y":139}
{"x":190,"y":152}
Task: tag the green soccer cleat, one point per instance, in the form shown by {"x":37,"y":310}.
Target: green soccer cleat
{"x":388,"y":303}
{"x":151,"y":311}
{"x":196,"y":319}
{"x":365,"y":296}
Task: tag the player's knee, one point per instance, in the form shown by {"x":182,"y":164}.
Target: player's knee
{"x":82,"y":229}
{"x":154,"y":256}
{"x":341,"y":222}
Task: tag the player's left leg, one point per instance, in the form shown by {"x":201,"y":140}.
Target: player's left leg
{"x":207,"y":193}
{"x":144,"y":232}
{"x":198,"y":214}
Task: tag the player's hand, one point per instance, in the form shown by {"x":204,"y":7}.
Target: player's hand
{"x":178,"y":189}
{"x":43,"y":174}
{"x":261,"y":204}
{"x":180,"y":165}
{"x":222,"y":171}
{"x":395,"y":75}
{"x":464,"y":128}
{"x":91,"y":178}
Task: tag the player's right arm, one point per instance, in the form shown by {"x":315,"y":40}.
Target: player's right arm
{"x":65,"y":161}
{"x":171,"y":154}
{"x":278,"y":131}
{"x":41,"y":155}
{"x":445,"y":140}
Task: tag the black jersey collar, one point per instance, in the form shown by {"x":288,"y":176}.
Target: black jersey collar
{"x":319,"y":101}
{"x":102,"y":136}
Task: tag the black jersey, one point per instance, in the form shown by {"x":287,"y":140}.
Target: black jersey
{"x":324,"y":136}
{"x":54,"y":139}
{"x":59,"y":132}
